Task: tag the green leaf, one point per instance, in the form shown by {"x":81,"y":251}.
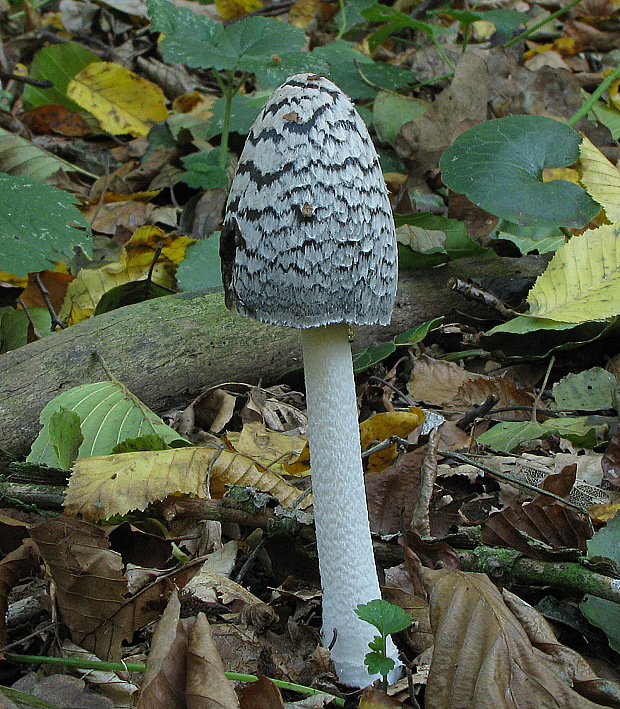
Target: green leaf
{"x":357,"y":75}
{"x":607,"y":116}
{"x":498,"y":165}
{"x":19,"y":157}
{"x":65,"y":433}
{"x":430,"y":235}
{"x":201,"y":266}
{"x":243,"y":114}
{"x":537,"y":338}
{"x":32,"y":239}
{"x":378,"y":664}
{"x":109,"y":413}
{"x":418,"y":333}
{"x":582,"y":280}
{"x":148,"y":442}
{"x":204,"y":170}
{"x":394,"y":22}
{"x":385,"y":617}
{"x":391,"y":111}
{"x":507,"y":436}
{"x":372,"y":354}
{"x":589,"y":390}
{"x":505,"y":21}
{"x":352,"y":11}
{"x":263,"y":46}
{"x":58,"y":63}
{"x":129,"y":294}
{"x":605,"y":614}
{"x":15,"y":325}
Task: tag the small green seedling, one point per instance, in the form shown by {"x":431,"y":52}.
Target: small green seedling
{"x":387,"y":619}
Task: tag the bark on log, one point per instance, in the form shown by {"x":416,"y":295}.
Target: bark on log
{"x":169,"y":349}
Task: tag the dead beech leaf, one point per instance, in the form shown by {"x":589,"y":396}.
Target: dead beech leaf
{"x":483,"y":656}
{"x":436,"y":382}
{"x":90,"y":586}
{"x":101,"y":486}
{"x":207,"y":687}
{"x":268,"y":449}
{"x":373,"y":698}
{"x":18,"y":563}
{"x":261,"y":695}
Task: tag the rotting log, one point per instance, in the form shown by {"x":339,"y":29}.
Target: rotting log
{"x":168,"y":350}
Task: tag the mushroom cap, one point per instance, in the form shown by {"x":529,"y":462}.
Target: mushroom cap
{"x":308,"y":237}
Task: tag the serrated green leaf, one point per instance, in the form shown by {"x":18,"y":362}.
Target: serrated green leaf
{"x":58,"y":63}
{"x":243,"y":113}
{"x":589,"y":390}
{"x":507,"y":436}
{"x":204,"y":170}
{"x":109,"y":412}
{"x":273,"y":70}
{"x":385,"y":617}
{"x":582,"y":281}
{"x":378,"y":664}
{"x":65,"y":433}
{"x":498,"y":165}
{"x":33,"y":239}
{"x":394,"y":21}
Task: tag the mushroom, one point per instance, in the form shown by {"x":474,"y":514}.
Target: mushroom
{"x":308,"y":241}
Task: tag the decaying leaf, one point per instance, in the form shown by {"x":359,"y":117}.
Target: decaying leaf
{"x":381,"y":426}
{"x":102,"y":486}
{"x":600,"y":178}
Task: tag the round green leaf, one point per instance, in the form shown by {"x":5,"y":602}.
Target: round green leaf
{"x":499,"y":164}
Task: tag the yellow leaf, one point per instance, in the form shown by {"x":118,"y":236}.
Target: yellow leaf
{"x":269,"y":449}
{"x":381,"y":426}
{"x":84,"y":292}
{"x":582,"y":280}
{"x":102,"y":486}
{"x":13,"y":280}
{"x":600,"y":178}
{"x":120,"y":100}
{"x":302,"y":13}
{"x":231,"y":9}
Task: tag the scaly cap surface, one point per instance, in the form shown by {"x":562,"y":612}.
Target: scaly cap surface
{"x":308,"y":237}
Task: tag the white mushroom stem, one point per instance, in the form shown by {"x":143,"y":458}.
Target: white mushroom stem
{"x":346,"y":560}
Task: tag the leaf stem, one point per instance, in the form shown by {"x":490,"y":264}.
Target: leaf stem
{"x":594,"y":97}
{"x":533,"y":28}
{"x":141,"y":667}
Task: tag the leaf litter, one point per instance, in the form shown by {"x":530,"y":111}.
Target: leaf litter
{"x":153,"y":519}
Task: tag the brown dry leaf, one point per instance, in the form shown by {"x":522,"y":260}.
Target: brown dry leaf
{"x":56,"y":285}
{"x":53,"y":118}
{"x":302,"y":13}
{"x":163,"y":684}
{"x":261,"y":695}
{"x":508,"y":393}
{"x":483,"y":656}
{"x":90,"y":588}
{"x":436,"y":382}
{"x":268,"y":449}
{"x":207,"y":687}
{"x":62,"y":691}
{"x":553,"y":524}
{"x":102,"y":486}
{"x":373,"y":698}
{"x":20,"y":562}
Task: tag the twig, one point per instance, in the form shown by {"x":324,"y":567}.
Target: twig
{"x":56,"y":321}
{"x":543,"y":386}
{"x":480,"y":411}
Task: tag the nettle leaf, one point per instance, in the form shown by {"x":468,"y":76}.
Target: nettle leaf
{"x":204,"y":170}
{"x":395,"y":21}
{"x":243,"y":114}
{"x":33,"y":239}
{"x":499,"y":165}
{"x":259,"y":45}
{"x":201,"y":267}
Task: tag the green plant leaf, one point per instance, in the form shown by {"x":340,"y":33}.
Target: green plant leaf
{"x":243,"y":114}
{"x":385,"y":617}
{"x":109,"y":413}
{"x":609,"y":117}
{"x":19,"y":157}
{"x":201,"y":266}
{"x":506,"y":21}
{"x":378,"y":664}
{"x":15,"y":325}
{"x":352,"y":11}
{"x":58,"y":63}
{"x":582,"y":280}
{"x":148,"y":442}
{"x":391,"y":111}
{"x":65,"y":433}
{"x":605,"y":614}
{"x":589,"y":390}
{"x":508,"y":435}
{"x":498,"y":165}
{"x":395,"y":21}
{"x":204,"y":170}
{"x":357,"y":75}
{"x":372,"y":354}
{"x":128,"y":294}
{"x":32,"y":239}
{"x":418,"y":333}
